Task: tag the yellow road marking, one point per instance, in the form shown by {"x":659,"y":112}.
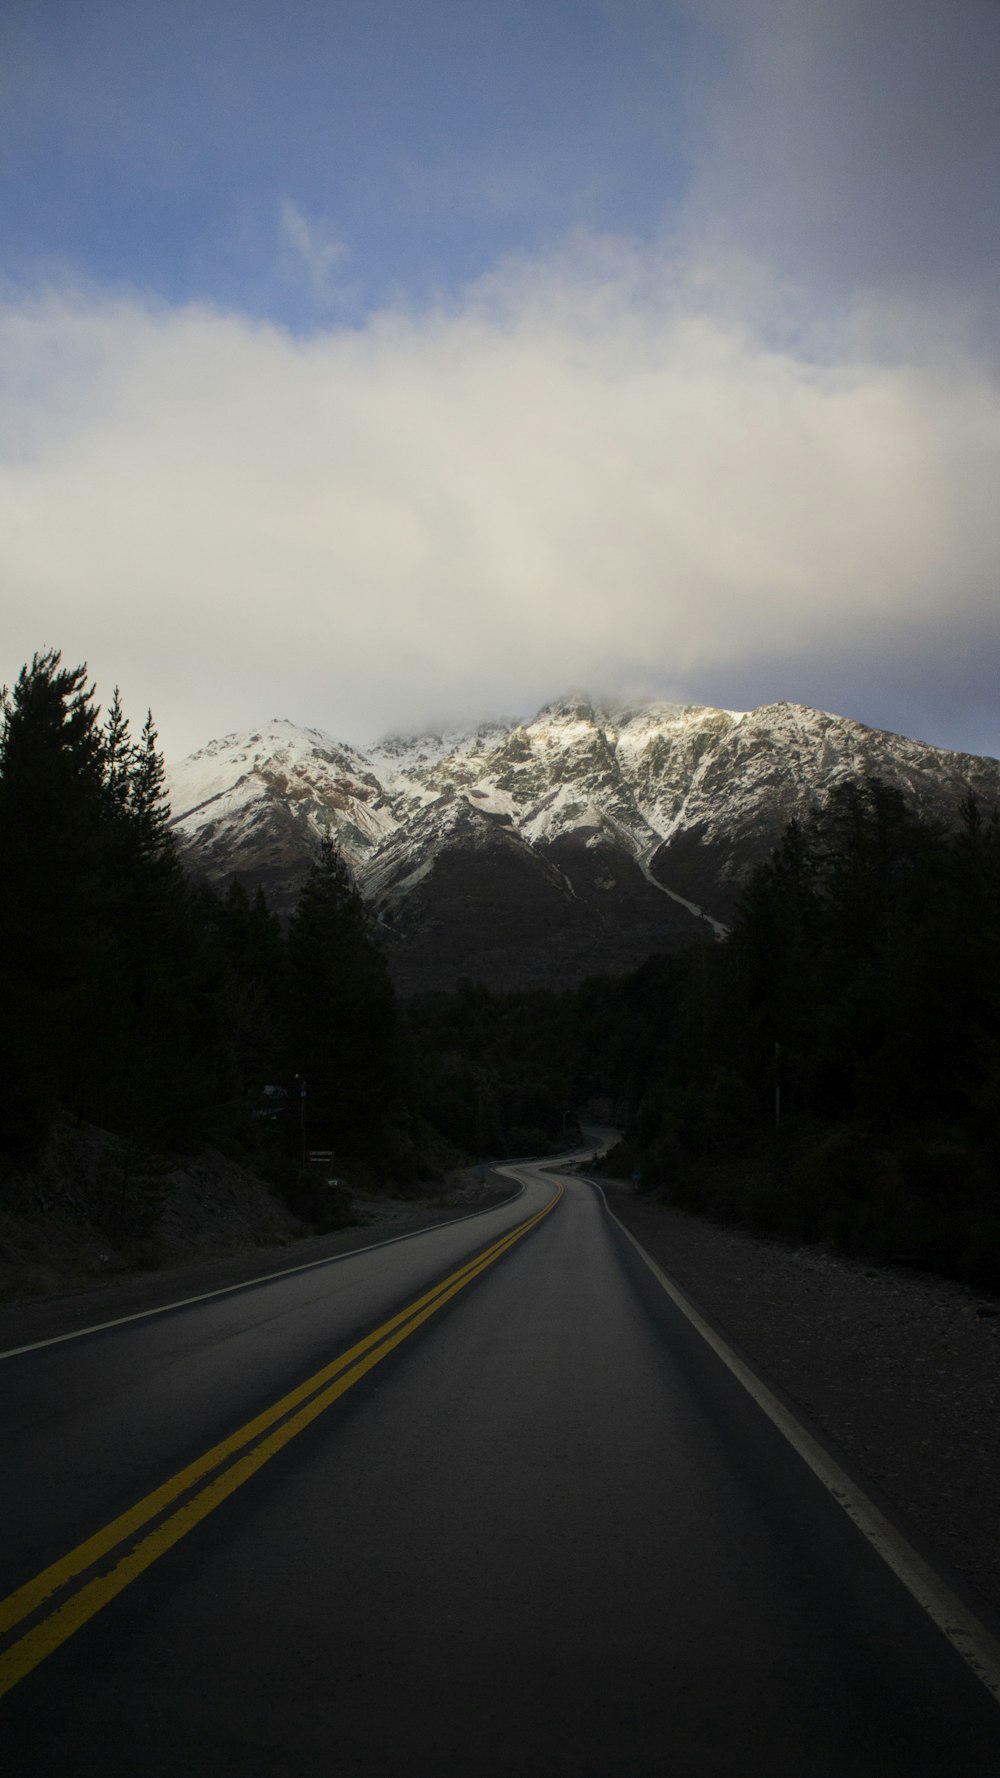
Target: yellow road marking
{"x":348,"y":1369}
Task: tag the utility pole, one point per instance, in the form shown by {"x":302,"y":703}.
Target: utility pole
{"x":777,"y":1086}
{"x":302,"y":1115}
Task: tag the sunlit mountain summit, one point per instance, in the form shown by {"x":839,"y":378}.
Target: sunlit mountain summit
{"x":540,"y":852}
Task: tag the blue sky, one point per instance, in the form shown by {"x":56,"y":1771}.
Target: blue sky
{"x":166,"y":145}
{"x":378,"y":364}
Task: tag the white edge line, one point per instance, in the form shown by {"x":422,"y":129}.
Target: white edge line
{"x":968,"y":1636}
{"x":309,"y":1265}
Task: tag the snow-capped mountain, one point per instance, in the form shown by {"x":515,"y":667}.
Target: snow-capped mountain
{"x":538,"y":852}
{"x":254,"y":806}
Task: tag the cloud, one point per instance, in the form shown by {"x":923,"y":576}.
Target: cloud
{"x":856,"y":147}
{"x":311,"y":253}
{"x":578,"y":472}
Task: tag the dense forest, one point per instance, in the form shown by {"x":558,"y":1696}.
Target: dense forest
{"x":144,"y":1004}
{"x":831,"y":1070}
{"x":177,"y":1018}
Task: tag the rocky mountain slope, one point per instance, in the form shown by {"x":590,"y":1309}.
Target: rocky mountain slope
{"x":540,"y":852}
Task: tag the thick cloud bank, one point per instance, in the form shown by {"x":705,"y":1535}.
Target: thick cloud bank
{"x":581,"y":472}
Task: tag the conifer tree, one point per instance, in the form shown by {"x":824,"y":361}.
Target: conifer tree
{"x":117,"y":758}
{"x":343,"y":1027}
{"x":148,"y":807}
{"x":250,"y":938}
{"x":113,"y":999}
{"x":62,"y":988}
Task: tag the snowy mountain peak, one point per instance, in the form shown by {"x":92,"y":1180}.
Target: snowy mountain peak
{"x":651,"y":808}
{"x":574,"y":706}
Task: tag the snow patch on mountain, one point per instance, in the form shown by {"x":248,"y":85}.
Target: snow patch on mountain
{"x":564,"y":810}
{"x":692,"y":795}
{"x":238,"y":790}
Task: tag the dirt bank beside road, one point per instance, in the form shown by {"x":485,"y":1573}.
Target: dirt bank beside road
{"x":374,"y":1218}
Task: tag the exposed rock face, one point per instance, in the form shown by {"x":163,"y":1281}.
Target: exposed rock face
{"x":252,"y":807}
{"x":459,"y":891}
{"x":542,"y":852}
{"x":775,"y":763}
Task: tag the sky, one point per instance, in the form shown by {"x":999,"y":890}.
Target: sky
{"x":386,"y":363}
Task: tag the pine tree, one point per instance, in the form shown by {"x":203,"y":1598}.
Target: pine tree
{"x":250,"y":938}
{"x":147,"y":803}
{"x":343,"y":1026}
{"x":62,"y":987}
{"x":114,"y":1001}
{"x":117,"y":758}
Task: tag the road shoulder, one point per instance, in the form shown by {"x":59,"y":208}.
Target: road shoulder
{"x":899,"y":1370}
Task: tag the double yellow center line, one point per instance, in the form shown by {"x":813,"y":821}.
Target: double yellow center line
{"x":228,"y":1465}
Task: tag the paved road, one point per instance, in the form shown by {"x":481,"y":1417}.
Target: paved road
{"x":535,"y":1527}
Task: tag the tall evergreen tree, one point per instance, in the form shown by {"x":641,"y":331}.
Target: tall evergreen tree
{"x":343,"y":1026}
{"x":117,"y":758}
{"x":147,"y":803}
{"x":63,"y":990}
{"x":250,"y":938}
{"x":113,"y":998}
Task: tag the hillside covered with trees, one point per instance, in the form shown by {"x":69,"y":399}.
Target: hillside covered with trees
{"x":831,"y":1070}
{"x":143,"y":1004}
{"x":176,"y":1019}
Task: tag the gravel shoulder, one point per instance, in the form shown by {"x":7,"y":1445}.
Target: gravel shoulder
{"x":899,"y":1372}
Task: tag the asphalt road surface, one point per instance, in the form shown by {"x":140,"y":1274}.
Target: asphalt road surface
{"x":478,"y":1502}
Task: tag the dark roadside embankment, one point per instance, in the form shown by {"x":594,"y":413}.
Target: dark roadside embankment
{"x":898,"y":1371}
{"x":238,"y":1214}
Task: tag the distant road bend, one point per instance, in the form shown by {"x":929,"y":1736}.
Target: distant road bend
{"x":482,"y":1501}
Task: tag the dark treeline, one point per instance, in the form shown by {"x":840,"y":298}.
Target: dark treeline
{"x":833,"y":1069}
{"x":105,"y":972}
{"x":154,"y":1009}
{"x":176,"y":1018}
{"x":495,"y":1070}
{"x":512,"y":1073}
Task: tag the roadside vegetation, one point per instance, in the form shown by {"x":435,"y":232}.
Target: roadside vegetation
{"x":148,"y":1020}
{"x":830,"y":1071}
{"x":175,"y":1020}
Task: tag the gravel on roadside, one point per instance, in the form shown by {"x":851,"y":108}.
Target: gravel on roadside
{"x":898,"y":1370}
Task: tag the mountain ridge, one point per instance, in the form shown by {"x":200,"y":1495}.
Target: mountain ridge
{"x":651,"y":815}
